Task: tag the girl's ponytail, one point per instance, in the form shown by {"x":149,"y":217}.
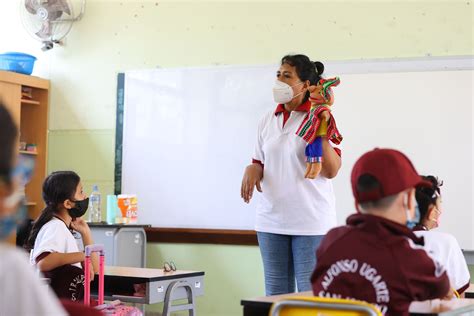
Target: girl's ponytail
{"x":46,"y":216}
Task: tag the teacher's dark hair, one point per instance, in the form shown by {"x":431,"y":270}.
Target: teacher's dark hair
{"x":305,"y":69}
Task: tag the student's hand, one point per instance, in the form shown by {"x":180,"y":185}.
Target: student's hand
{"x":81,"y":226}
{"x":252,"y":176}
{"x":449,"y":295}
{"x":91,"y":272}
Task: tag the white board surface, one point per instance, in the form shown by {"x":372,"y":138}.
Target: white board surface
{"x":189,"y":133}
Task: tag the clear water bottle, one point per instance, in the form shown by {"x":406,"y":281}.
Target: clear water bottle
{"x":95,"y":215}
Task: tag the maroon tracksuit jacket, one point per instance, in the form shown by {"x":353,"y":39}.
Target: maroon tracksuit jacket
{"x":379,"y":261}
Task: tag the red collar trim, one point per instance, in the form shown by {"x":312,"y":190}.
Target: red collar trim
{"x":305,"y":107}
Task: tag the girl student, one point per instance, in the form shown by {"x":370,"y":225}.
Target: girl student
{"x":53,"y":241}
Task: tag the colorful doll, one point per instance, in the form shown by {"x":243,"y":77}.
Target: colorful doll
{"x":318,"y":124}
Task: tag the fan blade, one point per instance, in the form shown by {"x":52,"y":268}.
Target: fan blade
{"x":54,"y":15}
{"x":58,"y":6}
{"x":32,"y":6}
{"x":45,"y":31}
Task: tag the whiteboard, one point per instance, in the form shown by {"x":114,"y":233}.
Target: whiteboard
{"x":188,"y":134}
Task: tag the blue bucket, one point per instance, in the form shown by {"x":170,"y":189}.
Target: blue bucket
{"x":17,"y":62}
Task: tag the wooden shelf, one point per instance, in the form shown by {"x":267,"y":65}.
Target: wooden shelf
{"x":30,"y":113}
{"x":32,"y":153}
{"x":26,"y":101}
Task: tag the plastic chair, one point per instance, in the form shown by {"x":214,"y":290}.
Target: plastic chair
{"x":304,"y":306}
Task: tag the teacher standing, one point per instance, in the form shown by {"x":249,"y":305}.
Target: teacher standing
{"x":294,"y":212}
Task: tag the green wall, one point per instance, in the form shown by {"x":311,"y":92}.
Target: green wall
{"x":116,"y":36}
{"x":232,"y":272}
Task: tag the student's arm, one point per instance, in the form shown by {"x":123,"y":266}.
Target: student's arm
{"x":426,"y":278}
{"x":457,"y":266}
{"x":50,"y":261}
{"x":81,"y":226}
{"x":87,"y":239}
{"x":331,"y":160}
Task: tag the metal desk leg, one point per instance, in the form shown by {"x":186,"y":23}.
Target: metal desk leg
{"x":168,"y":308}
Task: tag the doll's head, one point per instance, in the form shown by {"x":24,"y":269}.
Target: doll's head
{"x":322,"y":92}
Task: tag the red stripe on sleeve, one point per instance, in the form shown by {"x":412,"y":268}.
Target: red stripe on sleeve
{"x":42,"y":256}
{"x":257,"y":161}
{"x":464,"y":288}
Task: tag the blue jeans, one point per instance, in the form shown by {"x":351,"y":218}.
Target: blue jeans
{"x":285,"y":258}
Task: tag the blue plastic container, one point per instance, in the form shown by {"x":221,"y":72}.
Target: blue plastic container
{"x":17,"y":62}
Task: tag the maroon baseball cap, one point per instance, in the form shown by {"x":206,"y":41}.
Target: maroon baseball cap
{"x":391,"y":168}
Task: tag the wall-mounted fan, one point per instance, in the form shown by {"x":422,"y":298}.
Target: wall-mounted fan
{"x":49,"y":21}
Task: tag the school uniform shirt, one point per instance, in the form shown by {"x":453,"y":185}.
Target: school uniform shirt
{"x":54,"y":236}
{"x":378,"y":261}
{"x":290,"y":204}
{"x":445,"y":249}
{"x":22,"y":292}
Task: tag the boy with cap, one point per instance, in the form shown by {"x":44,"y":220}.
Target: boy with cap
{"x":376,"y":257}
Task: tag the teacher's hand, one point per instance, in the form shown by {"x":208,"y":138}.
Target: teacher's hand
{"x":252,"y":177}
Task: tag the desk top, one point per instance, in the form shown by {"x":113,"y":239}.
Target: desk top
{"x":105,"y":225}
{"x":433,"y":307}
{"x":469,"y":293}
{"x":438,"y":307}
{"x":147,"y":275}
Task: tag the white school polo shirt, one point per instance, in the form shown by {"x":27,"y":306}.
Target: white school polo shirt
{"x":54,"y":236}
{"x":22,"y":292}
{"x":445,"y":249}
{"x":290,"y":204}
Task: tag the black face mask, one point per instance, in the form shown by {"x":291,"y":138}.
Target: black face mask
{"x":79,"y":209}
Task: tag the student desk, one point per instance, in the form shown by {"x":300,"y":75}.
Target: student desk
{"x":159,"y":286}
{"x":261,"y":306}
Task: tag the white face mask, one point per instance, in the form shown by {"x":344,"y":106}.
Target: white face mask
{"x":283,"y":92}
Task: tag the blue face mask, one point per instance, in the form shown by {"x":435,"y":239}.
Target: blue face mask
{"x":9,"y":223}
{"x":21,"y":173}
{"x":412,"y":222}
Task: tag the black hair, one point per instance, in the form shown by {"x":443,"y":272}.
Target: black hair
{"x":58,"y":187}
{"x":427,"y":196}
{"x":305,"y":69}
{"x":368,"y":183}
{"x":8,"y":135}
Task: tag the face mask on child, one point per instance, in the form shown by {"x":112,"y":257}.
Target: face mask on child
{"x":283,"y":92}
{"x":79,"y":209}
{"x":21,"y":175}
{"x":9,"y":223}
{"x":412,"y":222}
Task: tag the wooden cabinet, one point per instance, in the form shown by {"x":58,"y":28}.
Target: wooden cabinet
{"x":30,"y":111}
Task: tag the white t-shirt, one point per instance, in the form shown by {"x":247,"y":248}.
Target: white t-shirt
{"x":290,"y":204}
{"x":20,"y":283}
{"x":445,"y":249}
{"x":54,"y":236}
